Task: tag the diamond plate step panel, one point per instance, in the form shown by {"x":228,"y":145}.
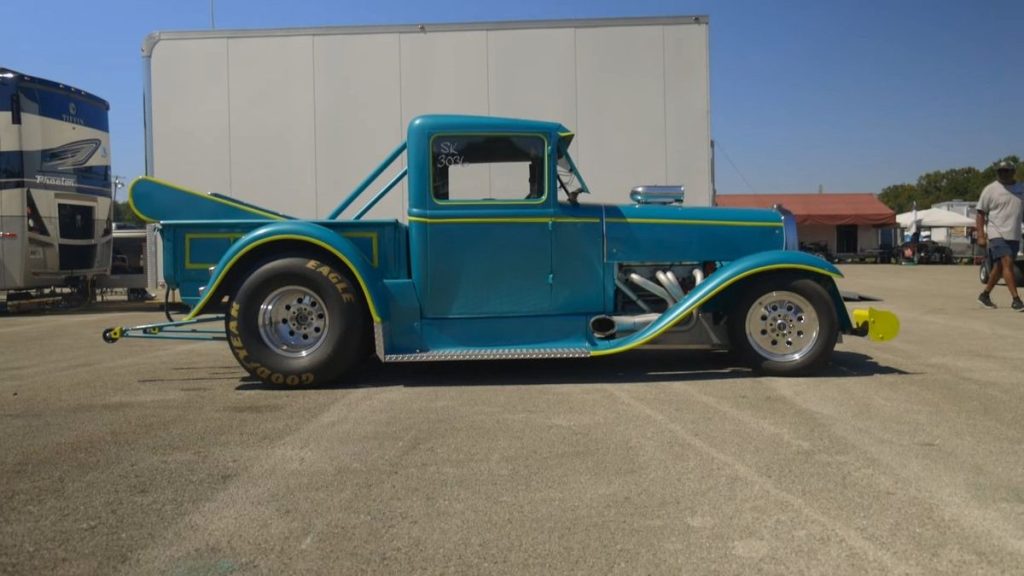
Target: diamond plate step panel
{"x":489,"y":354}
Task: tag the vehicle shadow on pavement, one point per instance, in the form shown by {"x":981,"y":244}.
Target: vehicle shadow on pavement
{"x":639,"y":367}
{"x":209,"y":374}
{"x":852,"y":364}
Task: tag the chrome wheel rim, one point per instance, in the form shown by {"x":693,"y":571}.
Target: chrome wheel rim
{"x":293,"y":321}
{"x":782,"y":326}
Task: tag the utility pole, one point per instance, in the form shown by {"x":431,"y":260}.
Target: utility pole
{"x":213,"y":24}
{"x":116,"y":184}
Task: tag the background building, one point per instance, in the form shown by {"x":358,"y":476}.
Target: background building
{"x":294,"y":119}
{"x":851,"y":226}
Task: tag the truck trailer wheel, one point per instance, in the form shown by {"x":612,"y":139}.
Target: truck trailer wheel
{"x":298,"y":322}
{"x":784,"y":326}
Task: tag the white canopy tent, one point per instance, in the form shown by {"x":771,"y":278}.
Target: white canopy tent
{"x":933,"y":218}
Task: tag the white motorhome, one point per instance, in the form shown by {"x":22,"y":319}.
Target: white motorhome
{"x":55,"y":193}
{"x":292,"y":119}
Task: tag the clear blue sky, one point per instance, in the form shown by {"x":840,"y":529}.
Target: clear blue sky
{"x":850,"y":95}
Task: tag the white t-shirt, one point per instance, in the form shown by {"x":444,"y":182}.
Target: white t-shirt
{"x":1004,"y":210}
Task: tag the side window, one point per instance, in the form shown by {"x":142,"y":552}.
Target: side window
{"x":502,"y":168}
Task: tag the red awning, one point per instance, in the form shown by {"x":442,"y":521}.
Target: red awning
{"x":827,"y":209}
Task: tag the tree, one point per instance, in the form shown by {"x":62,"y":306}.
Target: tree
{"x":954,"y":184}
{"x":899,"y":197}
{"x":943,"y":186}
{"x":123,"y":214}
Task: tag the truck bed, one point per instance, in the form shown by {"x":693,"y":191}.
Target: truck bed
{"x":197,"y":229}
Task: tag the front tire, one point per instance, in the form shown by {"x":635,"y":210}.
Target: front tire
{"x":297,"y":321}
{"x":784,"y":326}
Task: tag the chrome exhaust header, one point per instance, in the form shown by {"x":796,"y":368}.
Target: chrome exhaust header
{"x":669,"y":290}
{"x":671,"y":284}
{"x":651,"y":287}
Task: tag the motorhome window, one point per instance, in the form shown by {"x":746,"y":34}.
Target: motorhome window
{"x":15,"y":109}
{"x":11,"y":165}
{"x":499,"y":168}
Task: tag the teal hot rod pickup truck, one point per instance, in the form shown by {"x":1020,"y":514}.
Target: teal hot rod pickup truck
{"x":499,"y":260}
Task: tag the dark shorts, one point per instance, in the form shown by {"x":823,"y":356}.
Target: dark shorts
{"x":998,"y":247}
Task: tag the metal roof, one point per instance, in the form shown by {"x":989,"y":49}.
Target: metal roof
{"x":22,"y":77}
{"x":828,"y":209}
{"x":152,"y":39}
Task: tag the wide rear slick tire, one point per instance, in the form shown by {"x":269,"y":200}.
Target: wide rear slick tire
{"x":297,"y":321}
{"x":784,"y":326}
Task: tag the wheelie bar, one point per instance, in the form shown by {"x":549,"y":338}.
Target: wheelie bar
{"x":180,"y":330}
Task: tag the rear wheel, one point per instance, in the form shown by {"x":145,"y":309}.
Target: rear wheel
{"x":784,"y":326}
{"x":298,"y":322}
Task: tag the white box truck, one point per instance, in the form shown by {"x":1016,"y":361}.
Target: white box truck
{"x":292,"y":119}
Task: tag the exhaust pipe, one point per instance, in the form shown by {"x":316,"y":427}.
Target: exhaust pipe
{"x":671,"y":283}
{"x":698,"y":276}
{"x":651,"y":287}
{"x":691,"y":320}
{"x":604,"y":326}
{"x":607,"y":326}
{"x":632,"y":295}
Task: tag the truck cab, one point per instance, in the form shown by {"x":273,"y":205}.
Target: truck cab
{"x":489,"y":235}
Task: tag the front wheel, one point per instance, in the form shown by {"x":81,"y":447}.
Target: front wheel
{"x":784,"y":326}
{"x":298,"y":322}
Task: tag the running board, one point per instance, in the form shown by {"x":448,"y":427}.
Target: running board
{"x":459,"y":354}
{"x":489,"y":354}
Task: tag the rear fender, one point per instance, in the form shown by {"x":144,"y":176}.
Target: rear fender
{"x":718,"y":282}
{"x":298,"y":232}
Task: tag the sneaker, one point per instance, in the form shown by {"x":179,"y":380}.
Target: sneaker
{"x":985,"y":300}
{"x":1017,"y":305}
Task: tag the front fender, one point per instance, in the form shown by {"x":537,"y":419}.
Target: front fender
{"x":759,"y":263}
{"x":370,"y":281}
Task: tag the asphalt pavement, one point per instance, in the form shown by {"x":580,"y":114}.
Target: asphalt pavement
{"x":153,"y":457}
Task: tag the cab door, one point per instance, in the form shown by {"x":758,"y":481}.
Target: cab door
{"x":487,"y":231}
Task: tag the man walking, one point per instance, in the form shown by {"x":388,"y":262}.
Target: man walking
{"x":1000,"y":214}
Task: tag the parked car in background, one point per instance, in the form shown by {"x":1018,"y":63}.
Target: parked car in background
{"x":819,"y":249}
{"x":1018,"y":271}
{"x":924,"y":252}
